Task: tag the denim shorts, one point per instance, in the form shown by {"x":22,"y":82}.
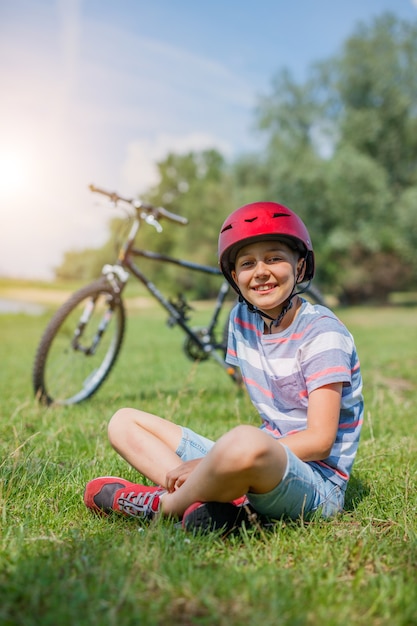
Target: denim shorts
{"x":193,"y":446}
{"x":302,"y":491}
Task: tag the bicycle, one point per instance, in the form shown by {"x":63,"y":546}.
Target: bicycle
{"x":82,"y":341}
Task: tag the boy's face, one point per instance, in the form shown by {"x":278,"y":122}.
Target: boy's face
{"x":266,"y":273}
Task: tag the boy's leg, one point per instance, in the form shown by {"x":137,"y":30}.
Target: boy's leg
{"x":156,"y":448}
{"x":146,"y":441}
{"x":244,"y":460}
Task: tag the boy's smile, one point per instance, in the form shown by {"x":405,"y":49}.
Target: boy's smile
{"x":265,"y":272}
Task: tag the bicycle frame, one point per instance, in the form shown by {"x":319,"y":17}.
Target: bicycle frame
{"x":82,"y":341}
{"x":176,"y":312}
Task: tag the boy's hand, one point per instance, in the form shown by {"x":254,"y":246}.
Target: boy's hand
{"x":176,"y":477}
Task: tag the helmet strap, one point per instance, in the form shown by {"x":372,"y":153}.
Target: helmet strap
{"x":275,"y":321}
{"x":298,"y":292}
{"x":303,"y":289}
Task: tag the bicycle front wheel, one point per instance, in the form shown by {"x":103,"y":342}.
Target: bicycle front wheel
{"x":79,"y":346}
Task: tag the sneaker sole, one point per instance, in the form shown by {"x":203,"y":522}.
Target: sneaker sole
{"x":212,"y":516}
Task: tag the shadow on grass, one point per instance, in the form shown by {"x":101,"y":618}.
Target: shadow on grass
{"x":356,"y":491}
{"x":124,"y":577}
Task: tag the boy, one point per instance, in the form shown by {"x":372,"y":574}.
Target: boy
{"x":301,"y":370}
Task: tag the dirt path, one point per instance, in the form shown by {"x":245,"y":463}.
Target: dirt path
{"x":34,"y":295}
{"x":38,"y":298}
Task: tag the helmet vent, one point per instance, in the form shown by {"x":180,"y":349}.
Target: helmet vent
{"x":251,"y":219}
{"x":228,"y":227}
{"x":280,"y":215}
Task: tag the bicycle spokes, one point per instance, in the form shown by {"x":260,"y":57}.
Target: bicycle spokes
{"x":84,"y":321}
{"x":79,"y":345}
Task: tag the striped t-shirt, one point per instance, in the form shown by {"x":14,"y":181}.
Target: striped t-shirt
{"x":280,"y":371}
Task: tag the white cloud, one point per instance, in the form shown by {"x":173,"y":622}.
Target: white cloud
{"x":139,"y":170}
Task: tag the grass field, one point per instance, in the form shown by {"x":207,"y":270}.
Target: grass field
{"x":59,"y":565}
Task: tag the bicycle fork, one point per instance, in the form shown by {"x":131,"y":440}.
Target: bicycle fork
{"x":117,"y":279}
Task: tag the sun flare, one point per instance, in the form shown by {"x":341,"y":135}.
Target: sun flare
{"x":13,"y":173}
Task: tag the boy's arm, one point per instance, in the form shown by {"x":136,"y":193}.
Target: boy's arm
{"x":316,"y":441}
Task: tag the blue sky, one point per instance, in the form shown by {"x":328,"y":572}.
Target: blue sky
{"x":98,"y":90}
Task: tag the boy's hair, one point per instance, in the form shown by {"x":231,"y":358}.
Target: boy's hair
{"x":260,"y":221}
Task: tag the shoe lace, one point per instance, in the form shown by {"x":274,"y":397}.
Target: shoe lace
{"x":140,"y":503}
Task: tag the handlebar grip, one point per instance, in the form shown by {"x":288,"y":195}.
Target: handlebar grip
{"x":172,"y":216}
{"x":114,"y":197}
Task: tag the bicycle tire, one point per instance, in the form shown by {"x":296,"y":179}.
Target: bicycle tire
{"x":225,"y":332}
{"x":233,"y":370}
{"x":314,"y":295}
{"x":63,"y":374}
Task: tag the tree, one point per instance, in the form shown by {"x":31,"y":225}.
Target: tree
{"x":198,"y":186}
{"x":342,"y":151}
{"x":377,"y":84}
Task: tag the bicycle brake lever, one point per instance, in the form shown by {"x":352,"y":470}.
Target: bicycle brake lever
{"x":150,"y":219}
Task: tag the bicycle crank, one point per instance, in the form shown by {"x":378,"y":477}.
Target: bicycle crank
{"x":193,"y":350}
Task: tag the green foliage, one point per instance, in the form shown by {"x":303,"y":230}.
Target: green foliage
{"x":342,"y":151}
{"x":61,"y":565}
{"x":378,"y":88}
{"x":196,"y":185}
{"x":406,"y":231}
{"x":87,"y":264}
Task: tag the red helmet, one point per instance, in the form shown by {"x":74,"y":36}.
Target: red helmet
{"x":260,"y":221}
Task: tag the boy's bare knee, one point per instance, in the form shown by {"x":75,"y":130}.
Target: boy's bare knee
{"x":117,"y":424}
{"x":241,"y":447}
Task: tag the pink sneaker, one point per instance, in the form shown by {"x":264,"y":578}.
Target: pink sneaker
{"x":106,"y":494}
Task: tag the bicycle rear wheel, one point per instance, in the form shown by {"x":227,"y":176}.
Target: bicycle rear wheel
{"x":79,"y":346}
{"x":313,"y":295}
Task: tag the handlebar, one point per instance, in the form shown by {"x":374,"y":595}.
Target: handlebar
{"x":143,"y":209}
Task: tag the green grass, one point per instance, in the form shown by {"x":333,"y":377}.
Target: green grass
{"x":61,"y":565}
